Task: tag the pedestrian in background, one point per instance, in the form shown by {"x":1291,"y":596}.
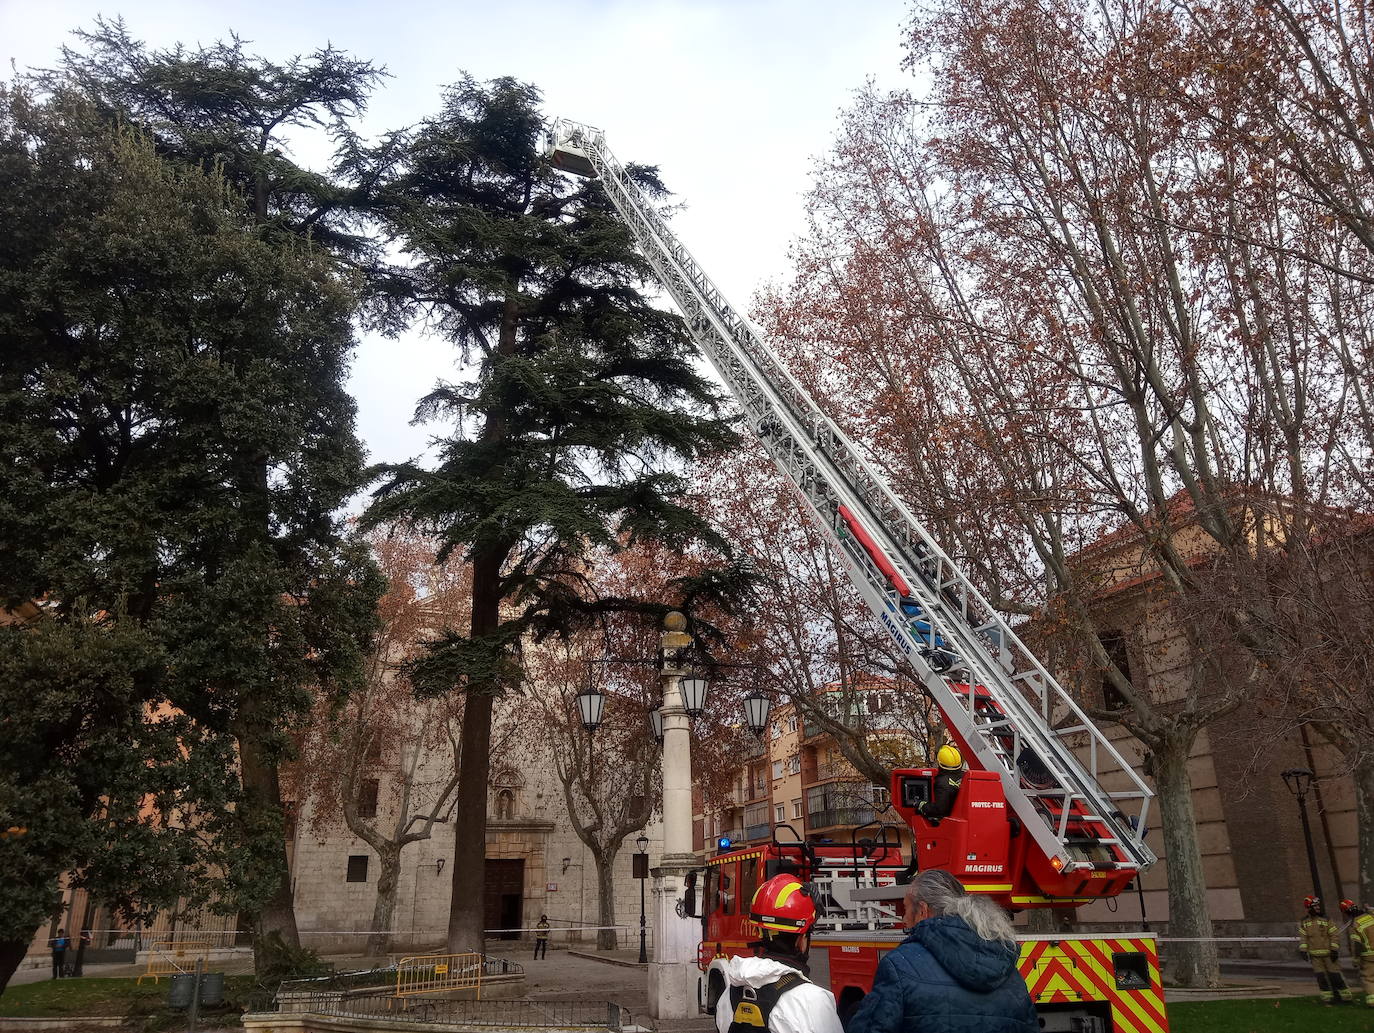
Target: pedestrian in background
{"x":60,"y":943}
{"x":541,"y":938}
{"x":954,"y":973}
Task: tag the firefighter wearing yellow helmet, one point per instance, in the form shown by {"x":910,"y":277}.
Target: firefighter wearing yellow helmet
{"x":949,"y":775}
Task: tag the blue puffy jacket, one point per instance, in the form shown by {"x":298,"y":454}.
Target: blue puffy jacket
{"x":945,"y":979}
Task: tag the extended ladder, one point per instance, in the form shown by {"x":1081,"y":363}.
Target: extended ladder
{"x":1020,"y":722}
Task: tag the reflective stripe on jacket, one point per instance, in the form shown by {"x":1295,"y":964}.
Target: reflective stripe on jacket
{"x":1362,"y":935}
{"x":1319,"y":936}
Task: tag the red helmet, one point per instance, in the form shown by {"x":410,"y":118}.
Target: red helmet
{"x":784,"y":904}
{"x":1311,"y":902}
{"x":1350,"y":907}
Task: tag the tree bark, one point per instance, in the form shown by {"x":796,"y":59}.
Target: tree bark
{"x":1191,"y":964}
{"x":1363,"y":776}
{"x":11,"y":954}
{"x":383,"y":911}
{"x":605,"y":891}
{"x":467,"y":906}
{"x":262,"y":792}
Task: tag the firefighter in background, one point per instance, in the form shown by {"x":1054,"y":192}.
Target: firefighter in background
{"x":1362,"y":944}
{"x":769,"y":993}
{"x":1319,"y":943}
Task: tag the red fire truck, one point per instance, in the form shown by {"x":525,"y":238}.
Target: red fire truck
{"x":1039,"y":818}
{"x":1080,"y":983}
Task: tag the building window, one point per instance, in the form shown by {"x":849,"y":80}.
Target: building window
{"x":794,"y":764}
{"x":357,"y":868}
{"x":774,"y":731}
{"x":792,"y":723}
{"x":780,"y":812}
{"x":756,"y":820}
{"x":1114,"y":644}
{"x":367,"y":798}
{"x":777,"y":770}
{"x":505,"y":805}
{"x":796,"y":808}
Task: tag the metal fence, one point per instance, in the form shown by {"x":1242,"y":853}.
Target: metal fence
{"x":541,"y":1014}
{"x":436,"y":973}
{"x":168,"y":957}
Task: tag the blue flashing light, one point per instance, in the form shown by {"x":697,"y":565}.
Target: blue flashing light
{"x":723,"y":843}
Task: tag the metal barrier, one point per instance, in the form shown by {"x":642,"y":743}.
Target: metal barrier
{"x":169,"y":957}
{"x":434,"y":973}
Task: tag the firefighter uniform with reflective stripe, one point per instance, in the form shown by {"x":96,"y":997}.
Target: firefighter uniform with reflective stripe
{"x":1320,"y":942}
{"x":1362,"y":946}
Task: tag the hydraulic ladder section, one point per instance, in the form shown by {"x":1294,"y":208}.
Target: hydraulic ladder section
{"x":1018,"y":721}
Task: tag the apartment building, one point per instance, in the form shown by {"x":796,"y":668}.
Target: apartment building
{"x":797,"y":783}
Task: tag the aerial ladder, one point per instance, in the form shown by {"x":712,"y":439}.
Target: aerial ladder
{"x":1037,"y":763}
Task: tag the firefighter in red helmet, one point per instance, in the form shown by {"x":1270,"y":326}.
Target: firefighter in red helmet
{"x":1362,"y":944}
{"x":769,"y":993}
{"x":1319,"y":943}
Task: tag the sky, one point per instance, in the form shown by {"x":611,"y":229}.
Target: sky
{"x":733,"y":99}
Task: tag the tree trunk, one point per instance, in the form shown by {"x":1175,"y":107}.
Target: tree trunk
{"x":384,"y":910}
{"x":11,"y":954}
{"x":262,"y":794}
{"x":1364,"y":818}
{"x":1191,"y":964}
{"x":605,"y":903}
{"x":467,"y":906}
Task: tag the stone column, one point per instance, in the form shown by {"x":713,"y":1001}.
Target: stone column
{"x":673,"y":975}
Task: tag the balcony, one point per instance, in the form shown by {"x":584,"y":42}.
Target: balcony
{"x":837,"y":769}
{"x":811,"y":729}
{"x":756,"y":832}
{"x":735,"y":835}
{"x":839,"y":817}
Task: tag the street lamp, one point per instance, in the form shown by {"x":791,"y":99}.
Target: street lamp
{"x":756,"y":707}
{"x":694,"y":694}
{"x":591,"y":706}
{"x":641,"y":872}
{"x":1299,"y":781}
{"x":656,"y":724}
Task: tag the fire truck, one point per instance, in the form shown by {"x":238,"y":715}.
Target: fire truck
{"x":1044,"y":813}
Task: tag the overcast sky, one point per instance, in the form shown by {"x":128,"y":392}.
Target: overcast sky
{"x":732,"y":98}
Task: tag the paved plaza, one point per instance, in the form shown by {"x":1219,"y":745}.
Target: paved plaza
{"x":616,"y":977}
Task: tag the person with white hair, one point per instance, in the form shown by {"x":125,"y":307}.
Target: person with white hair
{"x":954,"y":973}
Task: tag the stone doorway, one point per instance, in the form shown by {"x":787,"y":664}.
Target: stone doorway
{"x":504,"y":905}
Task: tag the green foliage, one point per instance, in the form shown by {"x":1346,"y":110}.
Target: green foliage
{"x":266,"y":603}
{"x":174,"y":443}
{"x":578,"y":401}
{"x":278,"y":961}
{"x":220,"y":107}
{"x":143,"y":1007}
{"x":1280,"y":1015}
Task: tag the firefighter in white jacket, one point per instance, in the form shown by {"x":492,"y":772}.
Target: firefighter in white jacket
{"x":770,"y":992}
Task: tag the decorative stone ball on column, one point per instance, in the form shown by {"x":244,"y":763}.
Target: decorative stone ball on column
{"x":675,"y":638}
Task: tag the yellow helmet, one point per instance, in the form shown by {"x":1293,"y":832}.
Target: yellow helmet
{"x":949,"y":757}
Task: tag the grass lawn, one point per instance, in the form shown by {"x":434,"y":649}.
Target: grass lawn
{"x":1284,"y":1015}
{"x":145,"y":1006}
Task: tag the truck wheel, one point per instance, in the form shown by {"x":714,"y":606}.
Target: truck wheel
{"x":715,"y":986}
{"x":848,"y":1003}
